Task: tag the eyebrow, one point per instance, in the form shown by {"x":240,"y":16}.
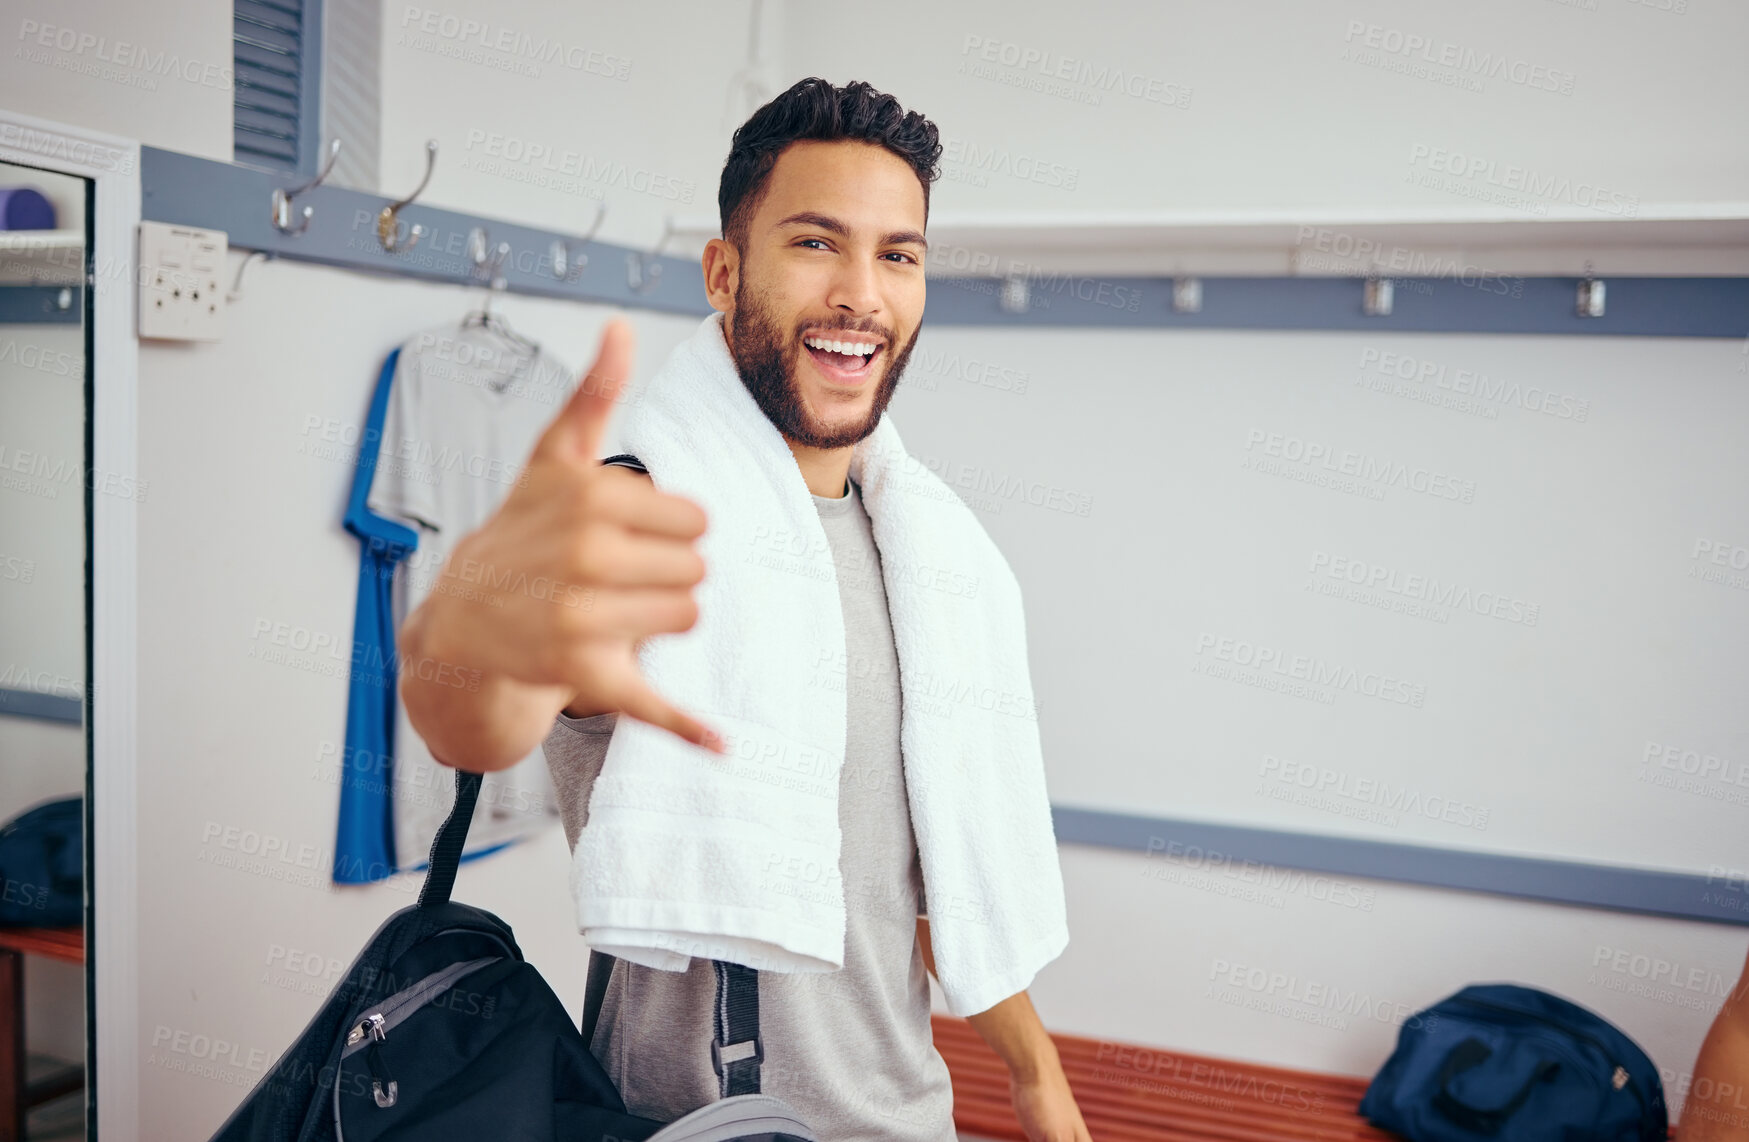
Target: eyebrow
{"x":827,"y":222}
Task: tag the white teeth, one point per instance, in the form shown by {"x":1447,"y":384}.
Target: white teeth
{"x":846,"y":347}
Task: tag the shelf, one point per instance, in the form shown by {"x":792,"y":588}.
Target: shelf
{"x":42,"y":257}
{"x":1675,"y":239}
{"x":41,"y":240}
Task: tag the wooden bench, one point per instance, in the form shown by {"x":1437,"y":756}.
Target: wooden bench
{"x":17,"y":1095}
{"x":1131,"y":1093}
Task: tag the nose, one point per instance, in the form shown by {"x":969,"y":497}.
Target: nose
{"x":854,"y":290}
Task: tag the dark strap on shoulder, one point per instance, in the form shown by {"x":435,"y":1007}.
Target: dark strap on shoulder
{"x":594,"y":991}
{"x":446,"y":847}
{"x":736,"y":1049}
{"x":626,"y":459}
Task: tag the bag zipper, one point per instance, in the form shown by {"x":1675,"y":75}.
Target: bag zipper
{"x":382,"y":1088}
{"x":375,"y":1024}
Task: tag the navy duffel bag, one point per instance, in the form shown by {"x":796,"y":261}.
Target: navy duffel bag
{"x":1515,"y":1064}
{"x":42,"y":866}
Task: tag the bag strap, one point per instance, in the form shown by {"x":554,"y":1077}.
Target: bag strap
{"x":446,"y":847}
{"x":600,"y":968}
{"x":736,"y":1049}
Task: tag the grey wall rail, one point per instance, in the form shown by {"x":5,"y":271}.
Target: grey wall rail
{"x":191,"y":191}
{"x":1264,"y":859}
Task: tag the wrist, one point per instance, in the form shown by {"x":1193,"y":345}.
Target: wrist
{"x":1037,"y":1065}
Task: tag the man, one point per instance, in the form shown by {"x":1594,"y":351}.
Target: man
{"x":824,"y":201}
{"x":1717,"y":1106}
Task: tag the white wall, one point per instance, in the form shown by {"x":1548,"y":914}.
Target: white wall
{"x":1278,"y":117}
{"x":240,"y":527}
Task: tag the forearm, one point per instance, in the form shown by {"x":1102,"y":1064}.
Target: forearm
{"x":1014,"y":1032}
{"x":1012,"y":1028}
{"x":1714,"y":1110}
{"x":469,"y":718}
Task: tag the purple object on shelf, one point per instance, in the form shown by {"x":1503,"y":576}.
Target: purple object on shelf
{"x":22,"y":208}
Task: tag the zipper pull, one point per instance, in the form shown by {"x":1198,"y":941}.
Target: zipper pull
{"x":1620,"y":1078}
{"x":382,"y":1088}
{"x":357,"y":1034}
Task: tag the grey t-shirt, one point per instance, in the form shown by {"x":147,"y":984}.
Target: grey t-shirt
{"x":852,"y":1050}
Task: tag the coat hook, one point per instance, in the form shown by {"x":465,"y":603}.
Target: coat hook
{"x":1186,"y":294}
{"x":1591,"y":292}
{"x":644,"y":270}
{"x":387,"y":220}
{"x":282,"y":198}
{"x":236,"y":290}
{"x":568,"y":267}
{"x":487,"y":262}
{"x":1376,"y":297}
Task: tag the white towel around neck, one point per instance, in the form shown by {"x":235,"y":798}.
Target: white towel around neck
{"x":735,"y":857}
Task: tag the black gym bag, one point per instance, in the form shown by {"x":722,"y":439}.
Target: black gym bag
{"x":440,"y":1030}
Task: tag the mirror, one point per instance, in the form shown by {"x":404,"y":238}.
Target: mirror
{"x":44,"y":239}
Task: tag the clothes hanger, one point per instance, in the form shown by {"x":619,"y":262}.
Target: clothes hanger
{"x":494,"y":323}
{"x":497,"y":324}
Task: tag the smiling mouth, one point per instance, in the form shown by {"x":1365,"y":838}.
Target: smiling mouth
{"x":843,"y":368}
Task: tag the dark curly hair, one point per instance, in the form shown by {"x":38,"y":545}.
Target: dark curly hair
{"x":814,"y":109}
